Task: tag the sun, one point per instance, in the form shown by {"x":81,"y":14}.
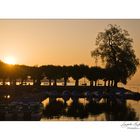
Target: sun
{"x":10,"y":60}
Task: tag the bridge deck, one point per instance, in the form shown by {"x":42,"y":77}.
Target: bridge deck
{"x":30,"y":93}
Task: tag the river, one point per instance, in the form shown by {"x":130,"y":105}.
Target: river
{"x":84,"y":110}
{"x":89,"y":111}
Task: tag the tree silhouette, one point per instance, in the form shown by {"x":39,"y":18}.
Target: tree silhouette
{"x":36,"y":75}
{"x":3,"y":72}
{"x":115,"y":49}
{"x":44,"y":70}
{"x":12,"y":73}
{"x":65,"y":74}
{"x":93,"y":74}
{"x":109,"y":75}
{"x":57,"y":74}
{"x":23,"y":73}
{"x":52,"y":73}
{"x":77,"y":72}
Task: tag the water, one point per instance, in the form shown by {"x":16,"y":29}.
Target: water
{"x":89,"y":111}
{"x":84,"y":110}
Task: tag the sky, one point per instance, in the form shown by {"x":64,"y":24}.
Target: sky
{"x":58,"y":42}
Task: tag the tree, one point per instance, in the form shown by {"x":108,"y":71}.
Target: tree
{"x":115,"y":48}
{"x":12,"y":73}
{"x":23,"y":73}
{"x":3,"y":72}
{"x":93,"y":74}
{"x":65,"y":74}
{"x":77,"y":72}
{"x":57,"y":74}
{"x":110,"y":75}
{"x":47,"y":70}
{"x":36,"y":74}
{"x":52,"y":73}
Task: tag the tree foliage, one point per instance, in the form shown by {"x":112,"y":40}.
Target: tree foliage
{"x":115,"y":48}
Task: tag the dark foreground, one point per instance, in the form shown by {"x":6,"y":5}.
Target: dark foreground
{"x":90,"y":111}
{"x":39,"y":94}
{"x":25,"y":103}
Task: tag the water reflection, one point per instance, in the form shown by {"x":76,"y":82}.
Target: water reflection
{"x":121,"y":113}
{"x":77,"y":110}
{"x":58,"y":110}
{"x":54,"y":109}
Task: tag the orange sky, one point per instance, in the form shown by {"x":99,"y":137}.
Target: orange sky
{"x":58,"y":42}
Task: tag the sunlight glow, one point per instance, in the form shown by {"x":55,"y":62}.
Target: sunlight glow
{"x":10,"y":60}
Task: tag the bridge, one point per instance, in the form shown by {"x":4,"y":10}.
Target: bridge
{"x":33,"y":94}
